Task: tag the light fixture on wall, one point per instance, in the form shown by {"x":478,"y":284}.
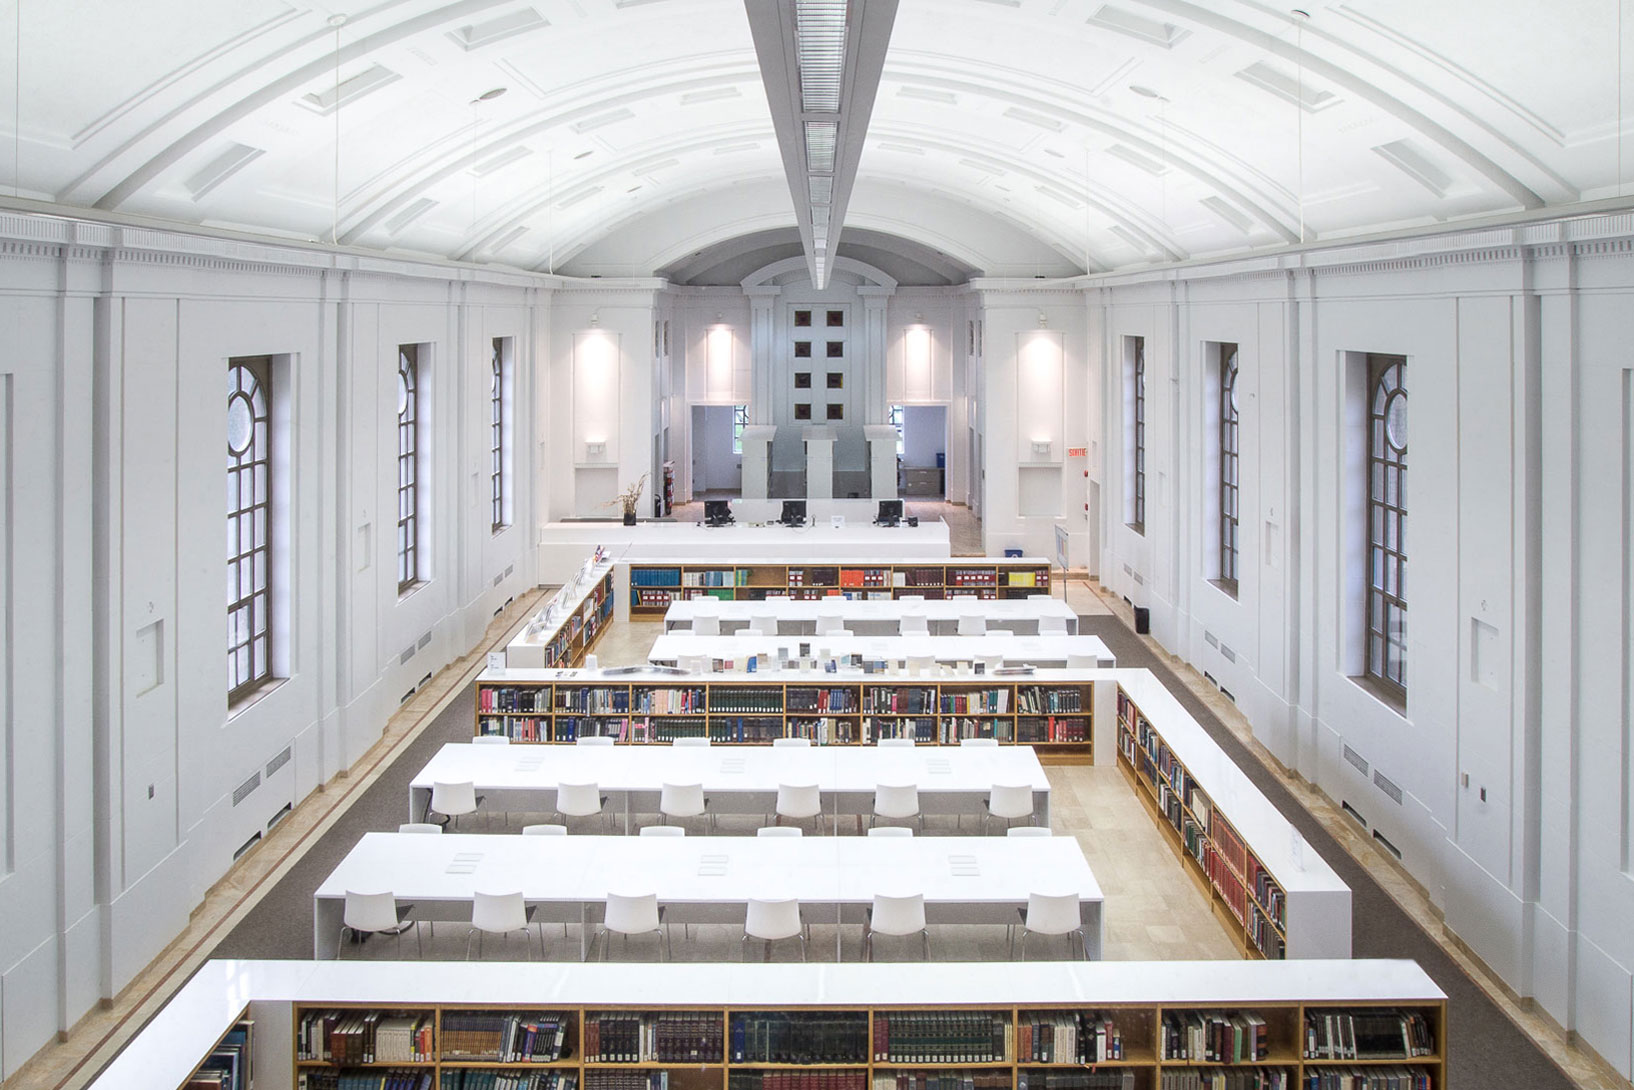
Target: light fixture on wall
{"x":595,"y":448}
{"x":1041,"y":450}
{"x":917,"y":370}
{"x":595,"y":318}
{"x":1043,"y":320}
{"x":719,"y":351}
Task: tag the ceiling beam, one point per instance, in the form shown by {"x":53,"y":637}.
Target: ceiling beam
{"x":821,"y":123}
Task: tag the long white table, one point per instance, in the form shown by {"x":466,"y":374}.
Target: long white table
{"x":737,"y":779}
{"x":710,"y":879}
{"x":874,"y":617}
{"x":1049,"y":651}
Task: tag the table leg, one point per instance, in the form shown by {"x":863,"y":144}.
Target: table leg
{"x":327,"y":913}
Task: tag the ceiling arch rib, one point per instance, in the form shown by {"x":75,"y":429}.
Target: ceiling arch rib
{"x":359,"y":221}
{"x":285,"y":85}
{"x":1338,"y":75}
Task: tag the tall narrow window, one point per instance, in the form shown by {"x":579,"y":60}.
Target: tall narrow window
{"x":898,"y":421}
{"x":249,"y":525}
{"x":1387,"y":523}
{"x":1135,"y":431}
{"x":408,"y":466}
{"x":740,"y":420}
{"x":498,"y":471}
{"x":1228,"y":468}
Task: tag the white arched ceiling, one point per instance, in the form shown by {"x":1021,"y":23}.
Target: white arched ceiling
{"x":1014,"y":135}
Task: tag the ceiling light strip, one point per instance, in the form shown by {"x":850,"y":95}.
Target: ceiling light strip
{"x":819,"y":45}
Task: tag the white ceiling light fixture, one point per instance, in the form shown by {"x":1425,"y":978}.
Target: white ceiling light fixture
{"x":821,"y":61}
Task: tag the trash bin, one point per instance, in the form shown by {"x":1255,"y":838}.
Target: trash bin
{"x":1012,"y":552}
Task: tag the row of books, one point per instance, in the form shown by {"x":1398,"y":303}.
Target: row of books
{"x":1214,"y":1037}
{"x":865,"y":577}
{"x":843,"y":700}
{"x":940,"y":1037}
{"x":906,"y":700}
{"x":478,"y":1078}
{"x":1052,"y":729}
{"x":942,"y":1080}
{"x":654,"y":577}
{"x":517,"y":729}
{"x":668,"y":701}
{"x":971,"y":577}
{"x":1266,"y":938}
{"x":976,"y":701}
{"x":1082,"y":1037}
{"x":1272,"y":900}
{"x":513,"y":698}
{"x":768,"y":698}
{"x":1256,"y":1078}
{"x":1036,"y":699}
{"x":650,"y":598}
{"x":363,"y":1037}
{"x":626,"y":1080}
{"x":393,"y":1078}
{"x":598,"y":700}
{"x":1117,"y":1079}
{"x":797,"y":1080}
{"x":1367,"y":1078}
{"x":504,"y":1037}
{"x":800,"y":1037}
{"x":1384,"y":1034}
{"x":661,"y":1037}
{"x":228,"y":1065}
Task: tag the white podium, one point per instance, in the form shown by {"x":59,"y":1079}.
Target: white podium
{"x":881,"y":440}
{"x":757,"y":460}
{"x":819,"y":462}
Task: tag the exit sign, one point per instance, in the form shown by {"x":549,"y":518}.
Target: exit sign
{"x":1077,"y":452}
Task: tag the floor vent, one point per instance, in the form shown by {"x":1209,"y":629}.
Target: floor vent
{"x":1210,"y":678}
{"x":1353,"y":812}
{"x":405,"y":698}
{"x":279,"y":761}
{"x":1389,"y":847}
{"x":1383,"y":783}
{"x":245,"y":788}
{"x":423,"y":680}
{"x":1225,"y":692}
{"x":284,"y":811}
{"x":246,"y":846}
{"x":1357,"y":761}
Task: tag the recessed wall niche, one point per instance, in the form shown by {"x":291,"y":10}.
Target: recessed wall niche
{"x":802,"y":411}
{"x":836,"y":380}
{"x":802,"y":380}
{"x":836,"y":412}
{"x":836,"y":349}
{"x":802,"y":350}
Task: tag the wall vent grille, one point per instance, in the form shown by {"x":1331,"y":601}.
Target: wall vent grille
{"x":1383,"y":783}
{"x":424,"y":640}
{"x":280,"y":761}
{"x":408,"y":653}
{"x":244,"y":789}
{"x":1356,"y":760}
{"x":1227,"y":653}
{"x":1208,"y":638}
{"x":1139,"y":578}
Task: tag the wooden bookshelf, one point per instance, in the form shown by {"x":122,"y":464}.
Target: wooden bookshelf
{"x":1146,"y":1025}
{"x":228,"y":1066}
{"x":564,"y":630}
{"x":1052,"y":714}
{"x":1265,"y":882}
{"x":655,"y":584}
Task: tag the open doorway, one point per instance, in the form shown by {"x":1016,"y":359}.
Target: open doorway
{"x":717,"y":467}
{"x":922,"y":452}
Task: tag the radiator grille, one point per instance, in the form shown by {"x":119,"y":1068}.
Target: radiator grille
{"x":1356,"y":760}
{"x":245,"y":788}
{"x":1383,"y":783}
{"x":279,"y":761}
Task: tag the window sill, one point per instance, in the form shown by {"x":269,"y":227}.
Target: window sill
{"x":1391,"y":697}
{"x":1138,"y":527}
{"x":412,"y":589}
{"x":501,"y":528}
{"x":254,"y":697}
{"x":1225,"y":587}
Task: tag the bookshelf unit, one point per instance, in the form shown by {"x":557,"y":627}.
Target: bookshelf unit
{"x":228,"y":1066}
{"x":1068,"y":1025}
{"x":564,"y":630}
{"x":1264,"y":881}
{"x":655,"y":584}
{"x":1050,"y":711}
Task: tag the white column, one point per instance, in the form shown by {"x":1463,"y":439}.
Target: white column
{"x":874,"y":300}
{"x":762,"y":351}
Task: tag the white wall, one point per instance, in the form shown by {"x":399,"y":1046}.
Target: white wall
{"x":1521,"y":430}
{"x":121,"y":759}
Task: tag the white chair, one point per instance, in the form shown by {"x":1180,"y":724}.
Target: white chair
{"x":1009,"y":801}
{"x":831,"y":624}
{"x":593,"y":740}
{"x":581,"y":800}
{"x":663,"y":830}
{"x":979,"y":743}
{"x":500,"y":914}
{"x":544,"y":830}
{"x":778,"y":599}
{"x":687,"y":743}
{"x":684,"y":800}
{"x":420,"y":827}
{"x":972,"y":624}
{"x":1052,"y":625}
{"x":1082,"y":662}
{"x":376,"y":914}
{"x":1000,"y":633}
{"x":1052,"y":914}
{"x":771,"y":921}
{"x":902,"y":915}
{"x":890,"y":830}
{"x":895,"y":743}
{"x":453,"y":800}
{"x":791,"y":743}
{"x":763,"y":624}
{"x":782,"y":830}
{"x":632,"y":914}
{"x":491,"y":740}
{"x":898,"y":802}
{"x":799,"y":801}
{"x":1029,"y":830}
{"x":913,"y":624}
{"x":706,"y":625}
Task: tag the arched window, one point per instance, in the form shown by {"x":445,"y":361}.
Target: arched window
{"x":408,"y":468}
{"x":1387,"y":523}
{"x":1228,"y":467}
{"x":249,"y":525}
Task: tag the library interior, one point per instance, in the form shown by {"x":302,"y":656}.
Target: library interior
{"x":1030,"y":697}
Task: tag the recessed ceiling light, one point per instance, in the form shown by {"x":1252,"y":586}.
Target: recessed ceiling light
{"x":1299,"y":13}
{"x":1144,"y":92}
{"x":337,"y":20}
{"x":490,"y":95}
{"x":585,"y":154}
{"x":632,"y":189}
{"x":1053,"y":152}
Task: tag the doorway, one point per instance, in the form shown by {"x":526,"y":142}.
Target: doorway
{"x":717,"y":470}
{"x":922,"y":452}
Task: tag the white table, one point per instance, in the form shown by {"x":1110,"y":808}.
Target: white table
{"x":736,"y":779}
{"x":710,"y":879}
{"x":1047,"y":651}
{"x":875,"y":617}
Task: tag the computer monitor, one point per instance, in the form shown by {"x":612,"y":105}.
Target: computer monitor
{"x":794,"y":513}
{"x":718,"y":512}
{"x":890,"y":513}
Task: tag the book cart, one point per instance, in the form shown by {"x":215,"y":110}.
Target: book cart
{"x":564,"y":630}
{"x":1050,"y":711}
{"x":654,"y":584}
{"x":1276,"y":894}
{"x":1359,"y":1025}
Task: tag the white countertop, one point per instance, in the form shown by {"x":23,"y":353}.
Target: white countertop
{"x":1018,"y":650}
{"x":997,"y":611}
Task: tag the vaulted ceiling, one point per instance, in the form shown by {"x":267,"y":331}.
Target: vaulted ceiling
{"x":1009,"y":137}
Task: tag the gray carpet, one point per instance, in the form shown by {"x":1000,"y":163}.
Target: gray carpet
{"x":1486,"y":1048}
